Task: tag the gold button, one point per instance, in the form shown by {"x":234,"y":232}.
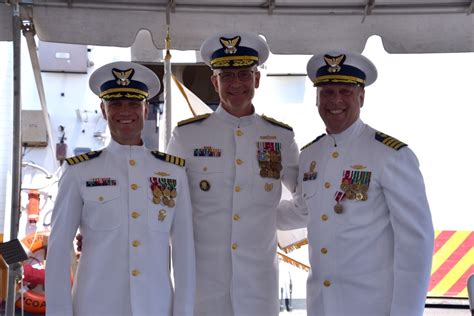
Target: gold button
{"x":324,"y":251}
{"x":135,"y":272}
{"x":132,"y":162}
{"x":236,"y":217}
{"x":237,"y":189}
{"x":135,"y":214}
{"x":204,"y":169}
{"x":324,"y":217}
{"x":239,"y":133}
{"x":136,"y":243}
{"x":100,"y":198}
{"x":234,"y":246}
{"x":327,"y":185}
{"x":327,"y":283}
{"x":239,"y":161}
{"x":335,"y":154}
{"x":134,"y":186}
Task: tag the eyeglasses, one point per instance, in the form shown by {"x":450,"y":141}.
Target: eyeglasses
{"x":243,"y":75}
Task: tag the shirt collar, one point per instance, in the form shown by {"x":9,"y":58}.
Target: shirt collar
{"x":353,"y":131}
{"x":125,"y":150}
{"x":233,"y":120}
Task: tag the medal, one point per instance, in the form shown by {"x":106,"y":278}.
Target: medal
{"x":269,"y":159}
{"x":156,"y":200}
{"x":350,"y":195}
{"x":338,"y":196}
{"x":171,"y":203}
{"x":173,"y":193}
{"x":165,"y":201}
{"x":157,"y":193}
{"x":338,"y":209}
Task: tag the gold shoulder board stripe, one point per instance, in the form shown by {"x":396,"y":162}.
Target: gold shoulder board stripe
{"x":312,"y":142}
{"x":83,"y":157}
{"x":278,"y":123}
{"x":389,"y":141}
{"x":169,"y":158}
{"x":194,"y":119}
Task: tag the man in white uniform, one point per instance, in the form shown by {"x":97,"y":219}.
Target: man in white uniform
{"x":236,"y":162}
{"x":369,"y":227}
{"x":130,"y":204}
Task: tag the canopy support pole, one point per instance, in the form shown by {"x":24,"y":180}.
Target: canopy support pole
{"x":14,"y":270}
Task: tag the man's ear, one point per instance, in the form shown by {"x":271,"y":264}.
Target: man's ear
{"x":215,"y":83}
{"x":362,"y":97}
{"x":102,"y":108}
{"x":147,"y":104}
{"x":257,"y":79}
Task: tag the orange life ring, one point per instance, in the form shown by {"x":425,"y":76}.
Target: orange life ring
{"x":34,"y":302}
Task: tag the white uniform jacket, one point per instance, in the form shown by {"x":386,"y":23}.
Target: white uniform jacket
{"x":124,"y":268}
{"x":235,"y":210}
{"x":372,"y":256}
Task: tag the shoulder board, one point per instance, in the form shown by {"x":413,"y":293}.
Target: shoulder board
{"x":83,"y":157}
{"x":312,"y":142}
{"x":275,"y":122}
{"x":194,"y":119}
{"x":169,"y":158}
{"x":389,"y":141}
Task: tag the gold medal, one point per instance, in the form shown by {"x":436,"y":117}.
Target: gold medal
{"x":264,"y":173}
{"x":273,"y":156}
{"x":156,"y":200}
{"x":338,"y":209}
{"x":276,"y":175}
{"x":277,"y":166}
{"x":165,"y":201}
{"x":171,"y":203}
{"x":364,"y":196}
{"x":345,"y":186}
{"x":166,"y":192}
{"x":173,"y":193}
{"x":157,"y":193}
{"x":350,"y":195}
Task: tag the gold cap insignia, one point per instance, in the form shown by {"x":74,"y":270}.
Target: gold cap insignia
{"x":230,"y":44}
{"x":123,"y":76}
{"x":333,"y":62}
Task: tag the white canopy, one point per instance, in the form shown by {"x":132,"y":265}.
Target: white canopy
{"x":291,"y":27}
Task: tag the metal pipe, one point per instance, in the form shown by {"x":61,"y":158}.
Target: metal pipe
{"x":14,"y":270}
{"x":29,"y":33}
{"x":278,"y":9}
